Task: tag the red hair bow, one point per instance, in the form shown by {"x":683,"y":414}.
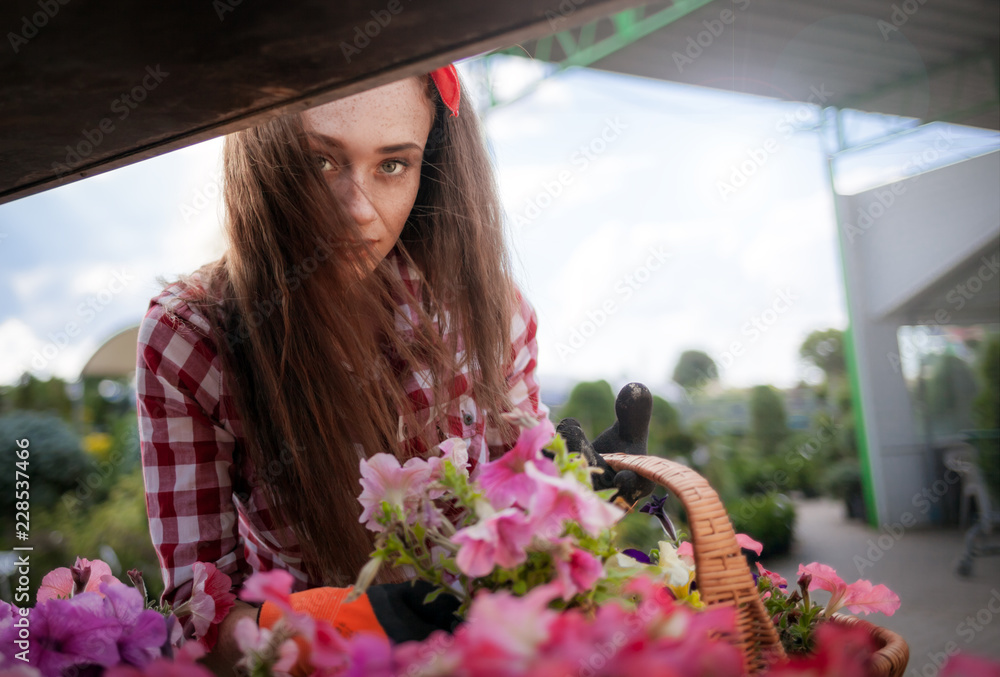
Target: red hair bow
{"x":446,"y":80}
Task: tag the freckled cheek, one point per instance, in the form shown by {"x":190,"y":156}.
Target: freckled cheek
{"x":399,"y":203}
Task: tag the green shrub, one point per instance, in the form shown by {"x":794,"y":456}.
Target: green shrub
{"x":56,"y":459}
{"x":768,"y":518}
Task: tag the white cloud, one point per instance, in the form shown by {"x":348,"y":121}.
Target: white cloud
{"x":17,"y":340}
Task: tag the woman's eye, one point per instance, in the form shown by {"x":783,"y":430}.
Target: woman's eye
{"x":324,"y":163}
{"x":393,"y":167}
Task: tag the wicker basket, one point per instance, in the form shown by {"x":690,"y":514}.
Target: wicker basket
{"x":723,"y":574}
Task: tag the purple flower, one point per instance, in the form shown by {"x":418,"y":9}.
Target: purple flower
{"x":654,"y":507}
{"x":637,"y":555}
{"x":8,"y":633}
{"x":143,"y":631}
{"x":72,"y":632}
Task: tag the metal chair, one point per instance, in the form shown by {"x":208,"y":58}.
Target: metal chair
{"x":963,"y":459}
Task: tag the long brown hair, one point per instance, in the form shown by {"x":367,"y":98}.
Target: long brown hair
{"x":304,"y":342}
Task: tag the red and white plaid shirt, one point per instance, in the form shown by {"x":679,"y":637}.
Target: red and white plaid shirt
{"x":199,"y":507}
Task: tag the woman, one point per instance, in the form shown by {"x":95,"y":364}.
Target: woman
{"x":364,"y":304}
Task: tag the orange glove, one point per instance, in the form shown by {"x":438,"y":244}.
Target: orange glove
{"x":395,"y":611}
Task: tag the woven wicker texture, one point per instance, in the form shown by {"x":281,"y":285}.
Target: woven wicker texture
{"x":893,"y":653}
{"x":723,"y":574}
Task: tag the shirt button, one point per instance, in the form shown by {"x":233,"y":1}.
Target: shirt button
{"x":467,"y":418}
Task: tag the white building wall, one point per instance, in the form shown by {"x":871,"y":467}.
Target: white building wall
{"x":898,"y":241}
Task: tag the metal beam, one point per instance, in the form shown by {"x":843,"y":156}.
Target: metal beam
{"x":579,"y":48}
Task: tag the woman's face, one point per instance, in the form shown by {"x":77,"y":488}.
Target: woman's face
{"x":370,"y":148}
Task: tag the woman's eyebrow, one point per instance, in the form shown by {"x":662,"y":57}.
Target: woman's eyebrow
{"x":392,"y":148}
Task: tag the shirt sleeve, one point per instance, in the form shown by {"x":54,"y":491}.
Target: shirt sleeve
{"x":522,"y":384}
{"x":187,"y":456}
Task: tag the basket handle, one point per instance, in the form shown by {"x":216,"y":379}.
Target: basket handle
{"x":722,"y":572}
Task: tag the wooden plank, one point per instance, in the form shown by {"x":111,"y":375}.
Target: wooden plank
{"x":86,"y":87}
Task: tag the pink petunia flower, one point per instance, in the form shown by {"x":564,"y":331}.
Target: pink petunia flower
{"x":504,"y":480}
{"x":496,"y":540}
{"x":456,"y":450}
{"x":860,"y":596}
{"x":560,"y":498}
{"x":273,"y":586}
{"x":776,"y":579}
{"x":749,"y":544}
{"x":512,"y":626}
{"x":208,"y":604}
{"x":59,"y":582}
{"x":578,"y":573}
{"x":384,"y":479}
{"x":686,"y":552}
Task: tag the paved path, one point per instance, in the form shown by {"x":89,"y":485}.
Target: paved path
{"x":937,"y":607}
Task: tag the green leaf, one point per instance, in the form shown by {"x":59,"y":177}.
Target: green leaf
{"x":431,"y":596}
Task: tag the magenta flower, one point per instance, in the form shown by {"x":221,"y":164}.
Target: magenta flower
{"x":370,"y":656}
{"x":504,"y":480}
{"x":560,"y":498}
{"x":496,"y":540}
{"x":162,"y":667}
{"x":8,"y":633}
{"x":19,"y":670}
{"x":383,"y":479}
{"x":967,"y":665}
{"x":839,"y":651}
{"x":142,"y":631}
{"x":776,"y":579}
{"x":73,"y":632}
{"x":59,"y":583}
{"x":578,"y":573}
{"x":859,"y":596}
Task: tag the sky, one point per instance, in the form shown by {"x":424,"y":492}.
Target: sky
{"x":645,"y":218}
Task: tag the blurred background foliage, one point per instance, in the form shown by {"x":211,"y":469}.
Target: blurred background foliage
{"x":760,"y":448}
{"x":745,"y":444}
{"x":86,"y":489}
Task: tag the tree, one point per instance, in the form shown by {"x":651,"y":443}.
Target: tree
{"x":825,"y":349}
{"x":695,"y":369}
{"x":592,"y":403}
{"x":768,"y":425}
{"x":666,"y":438}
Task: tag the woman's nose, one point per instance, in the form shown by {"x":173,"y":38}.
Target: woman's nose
{"x":356,"y":201}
